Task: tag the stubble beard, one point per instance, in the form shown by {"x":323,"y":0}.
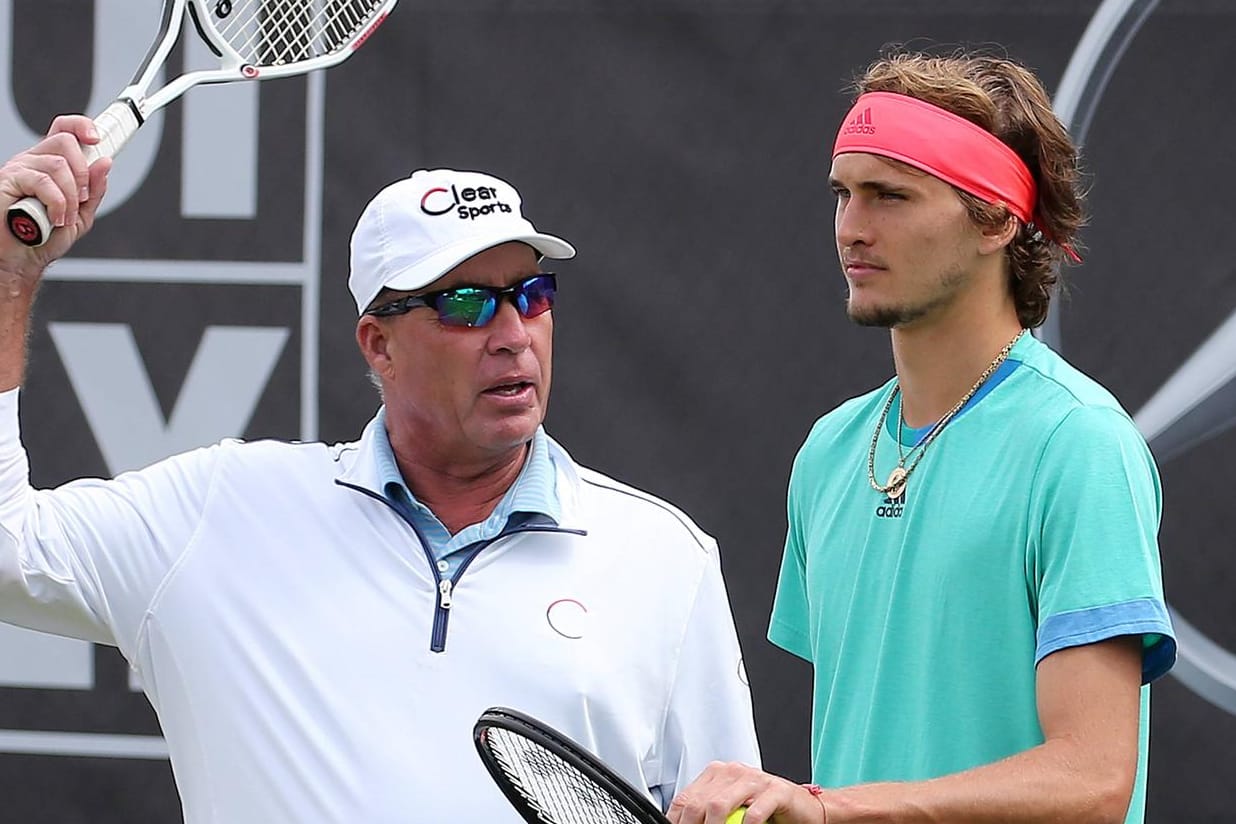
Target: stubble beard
{"x":885,"y":317}
{"x":888,"y":317}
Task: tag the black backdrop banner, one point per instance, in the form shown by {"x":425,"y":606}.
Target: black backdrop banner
{"x":683,"y":148}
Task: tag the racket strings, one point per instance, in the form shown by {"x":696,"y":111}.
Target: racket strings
{"x":278,"y":32}
{"x":557,"y":791}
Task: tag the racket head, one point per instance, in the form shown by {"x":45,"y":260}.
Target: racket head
{"x":550,"y":779}
{"x":253,"y":39}
{"x":273,"y":38}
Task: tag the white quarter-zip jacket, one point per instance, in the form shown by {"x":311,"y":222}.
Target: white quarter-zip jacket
{"x":308,"y":664}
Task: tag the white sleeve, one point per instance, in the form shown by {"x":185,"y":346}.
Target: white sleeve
{"x":85,"y":560}
{"x":709,"y":717}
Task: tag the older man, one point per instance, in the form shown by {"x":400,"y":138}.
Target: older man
{"x":318,"y":626}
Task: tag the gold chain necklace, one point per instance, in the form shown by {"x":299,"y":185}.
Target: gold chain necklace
{"x":897,"y":479}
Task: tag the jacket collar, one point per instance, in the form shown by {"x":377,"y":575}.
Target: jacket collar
{"x":358,"y":468}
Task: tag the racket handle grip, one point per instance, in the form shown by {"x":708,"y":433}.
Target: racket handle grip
{"x":27,"y":218}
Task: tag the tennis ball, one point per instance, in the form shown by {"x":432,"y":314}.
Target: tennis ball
{"x":737,"y":816}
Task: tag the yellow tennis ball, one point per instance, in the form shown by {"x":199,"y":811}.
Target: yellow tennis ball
{"x":737,"y":816}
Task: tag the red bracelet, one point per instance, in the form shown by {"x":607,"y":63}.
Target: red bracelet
{"x":818,"y":792}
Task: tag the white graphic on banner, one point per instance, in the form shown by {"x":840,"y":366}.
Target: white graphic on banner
{"x":123,"y":30}
{"x":1198,"y":401}
{"x":214,"y":184}
{"x":219,"y":116}
{"x":232,"y":366}
{"x":225,"y":382}
{"x":33,"y":659}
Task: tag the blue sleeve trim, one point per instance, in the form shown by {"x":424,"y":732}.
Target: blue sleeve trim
{"x":1146,"y":617}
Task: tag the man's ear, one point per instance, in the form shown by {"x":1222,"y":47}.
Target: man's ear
{"x":995,"y":238}
{"x":373,"y":341}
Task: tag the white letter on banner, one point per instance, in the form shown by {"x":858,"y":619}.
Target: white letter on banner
{"x":219,"y":155}
{"x":229,"y":372}
{"x":33,"y":659}
{"x":123,"y":30}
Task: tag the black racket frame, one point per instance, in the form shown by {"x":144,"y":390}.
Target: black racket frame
{"x":563,"y":747}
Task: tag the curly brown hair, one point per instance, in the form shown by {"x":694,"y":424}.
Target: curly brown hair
{"x":1006,"y":99}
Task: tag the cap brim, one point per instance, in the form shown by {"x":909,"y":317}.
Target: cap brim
{"x":437,"y":265}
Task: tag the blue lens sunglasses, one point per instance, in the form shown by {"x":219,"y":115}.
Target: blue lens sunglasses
{"x":476,"y":305}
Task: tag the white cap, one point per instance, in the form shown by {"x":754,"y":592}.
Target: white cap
{"x":416,"y":230}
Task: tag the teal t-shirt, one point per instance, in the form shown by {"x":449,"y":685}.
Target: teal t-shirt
{"x":1029,"y":526}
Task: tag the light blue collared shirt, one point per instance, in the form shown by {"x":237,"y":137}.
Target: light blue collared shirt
{"x":532,"y":494}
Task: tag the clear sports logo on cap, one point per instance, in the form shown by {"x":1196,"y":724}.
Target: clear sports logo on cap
{"x":418,"y":229}
{"x":440,"y":201}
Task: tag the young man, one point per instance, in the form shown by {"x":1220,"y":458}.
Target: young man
{"x":971,"y":562}
{"x":318,"y":627}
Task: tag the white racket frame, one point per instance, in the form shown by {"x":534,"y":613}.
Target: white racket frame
{"x":27,"y":218}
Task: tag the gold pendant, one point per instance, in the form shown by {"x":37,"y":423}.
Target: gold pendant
{"x":896,"y":483}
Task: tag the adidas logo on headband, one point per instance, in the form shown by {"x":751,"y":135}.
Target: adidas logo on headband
{"x":860,"y":123}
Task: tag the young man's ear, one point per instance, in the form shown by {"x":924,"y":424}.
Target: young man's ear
{"x":995,"y":238}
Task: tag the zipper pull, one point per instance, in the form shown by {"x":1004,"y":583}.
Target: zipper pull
{"x":444,"y":593}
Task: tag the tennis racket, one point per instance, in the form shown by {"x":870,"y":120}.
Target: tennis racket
{"x":253,"y":40}
{"x":549,"y":779}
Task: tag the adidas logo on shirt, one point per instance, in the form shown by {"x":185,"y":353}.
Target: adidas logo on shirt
{"x":892,"y":507}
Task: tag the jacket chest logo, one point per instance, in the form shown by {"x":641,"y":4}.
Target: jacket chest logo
{"x":567,"y":617}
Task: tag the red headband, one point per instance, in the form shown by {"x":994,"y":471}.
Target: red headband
{"x":944,"y":145}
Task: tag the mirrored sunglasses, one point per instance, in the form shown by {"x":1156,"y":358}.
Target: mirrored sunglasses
{"x":477,"y":305}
